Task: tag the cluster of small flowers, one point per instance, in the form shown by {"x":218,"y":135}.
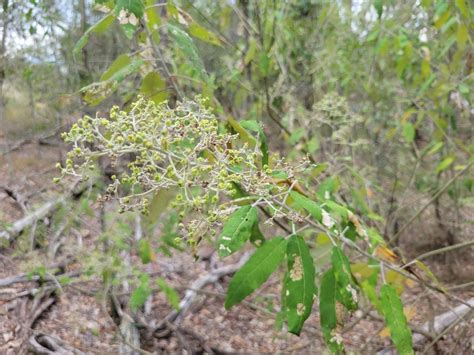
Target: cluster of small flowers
{"x":181,"y":148}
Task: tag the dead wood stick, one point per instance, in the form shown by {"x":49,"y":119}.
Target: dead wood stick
{"x":28,"y":278}
{"x":23,"y":223}
{"x":45,"y":344}
{"x":200,"y":283}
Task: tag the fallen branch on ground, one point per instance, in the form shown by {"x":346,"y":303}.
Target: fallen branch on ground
{"x":44,"y":344}
{"x":200,"y":283}
{"x":19,"y":226}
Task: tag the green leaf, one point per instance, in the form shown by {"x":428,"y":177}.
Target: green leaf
{"x":237,"y":230}
{"x":153,"y":21}
{"x":144,"y":251}
{"x":395,"y":318}
{"x":256,"y":270}
{"x":170,"y":293}
{"x":299,"y":289}
{"x":346,"y":293}
{"x":140,"y":294}
{"x":154,"y":87}
{"x":203,"y":34}
{"x":119,"y":63}
{"x":264,"y":63}
{"x":338,"y":209}
{"x":445,"y":163}
{"x":409,"y":132}
{"x":252,"y":50}
{"x":462,"y":35}
{"x":159,"y":203}
{"x":327,"y":187}
{"x":378,"y":5}
{"x":327,"y":310}
{"x":436,"y":147}
{"x":98,"y":27}
{"x":296,"y":136}
{"x":464,"y":89}
{"x":257,"y":238}
{"x":134,"y":6}
{"x":463,"y":7}
{"x":243,"y":134}
{"x":309,"y":205}
{"x":254,"y":126}
{"x":186,"y":45}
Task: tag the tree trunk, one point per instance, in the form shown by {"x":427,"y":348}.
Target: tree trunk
{"x":3,"y":58}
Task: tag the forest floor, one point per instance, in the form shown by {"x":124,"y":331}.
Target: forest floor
{"x":77,"y":318}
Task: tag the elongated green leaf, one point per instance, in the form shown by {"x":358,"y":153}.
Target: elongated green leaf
{"x":129,"y":13}
{"x":338,"y":209}
{"x":243,"y":134}
{"x":186,"y":44}
{"x":463,"y":7}
{"x":445,"y":163}
{"x":203,"y":34}
{"x":256,"y":270}
{"x":257,"y":238}
{"x":346,"y":292}
{"x":395,"y":318}
{"x":121,"y":74}
{"x":154,"y":87}
{"x":327,"y":311}
{"x":99,"y":27}
{"x":305,"y":203}
{"x":144,"y":251}
{"x":159,"y":203}
{"x":409,"y":132}
{"x":134,"y":6}
{"x":170,"y":293}
{"x":119,"y":63}
{"x":299,"y":289}
{"x":153,"y":21}
{"x":254,"y":126}
{"x":141,"y":293}
{"x":237,"y":230}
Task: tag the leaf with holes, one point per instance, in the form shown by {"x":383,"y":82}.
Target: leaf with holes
{"x":327,"y":311}
{"x":299,"y":289}
{"x":346,"y":289}
{"x":307,"y":204}
{"x":237,"y":230}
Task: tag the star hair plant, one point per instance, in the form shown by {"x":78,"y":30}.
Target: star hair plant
{"x":223,"y":184}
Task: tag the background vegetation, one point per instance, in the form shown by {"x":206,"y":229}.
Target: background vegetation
{"x":366,"y":105}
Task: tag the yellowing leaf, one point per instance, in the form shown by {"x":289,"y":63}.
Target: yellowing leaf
{"x":445,"y":163}
{"x":409,"y":312}
{"x":462,"y":35}
{"x":154,"y":87}
{"x":203,"y":34}
{"x":244,"y":135}
{"x":385,"y":254}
